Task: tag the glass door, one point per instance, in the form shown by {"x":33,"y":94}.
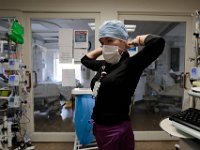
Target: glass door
{"x":53,"y":103}
{"x":159,"y":92}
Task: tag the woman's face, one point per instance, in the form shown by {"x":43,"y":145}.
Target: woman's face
{"x":114,"y":42}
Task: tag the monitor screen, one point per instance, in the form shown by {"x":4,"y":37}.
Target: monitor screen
{"x":5,"y":93}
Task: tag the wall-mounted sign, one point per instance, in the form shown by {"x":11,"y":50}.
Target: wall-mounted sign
{"x":80,"y":38}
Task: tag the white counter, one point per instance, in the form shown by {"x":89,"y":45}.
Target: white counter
{"x":81,"y":91}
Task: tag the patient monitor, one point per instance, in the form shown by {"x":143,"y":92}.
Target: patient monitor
{"x":4,"y":97}
{"x":8,"y":96}
{"x":5,"y":93}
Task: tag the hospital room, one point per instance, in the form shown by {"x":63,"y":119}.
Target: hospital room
{"x":99,"y":75}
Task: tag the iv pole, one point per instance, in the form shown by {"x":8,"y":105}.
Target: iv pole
{"x":196,"y":34}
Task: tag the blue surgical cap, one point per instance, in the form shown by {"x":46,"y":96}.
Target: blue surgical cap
{"x":114,"y":29}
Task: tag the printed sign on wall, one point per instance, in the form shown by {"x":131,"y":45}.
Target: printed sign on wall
{"x":80,"y":38}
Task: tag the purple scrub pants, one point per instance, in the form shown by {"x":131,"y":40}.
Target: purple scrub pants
{"x":115,"y":137}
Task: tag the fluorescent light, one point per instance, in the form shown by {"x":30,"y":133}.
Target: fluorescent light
{"x":92,"y":26}
{"x":130,"y":28}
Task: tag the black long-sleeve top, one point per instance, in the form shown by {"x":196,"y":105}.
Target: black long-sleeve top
{"x":117,"y":87}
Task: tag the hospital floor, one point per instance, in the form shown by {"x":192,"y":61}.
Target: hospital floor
{"x":140,"y":145}
{"x":140,"y":113}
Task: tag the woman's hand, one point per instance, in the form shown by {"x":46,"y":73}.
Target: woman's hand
{"x":138,"y":41}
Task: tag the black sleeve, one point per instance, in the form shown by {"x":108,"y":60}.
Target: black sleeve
{"x":154,"y":46}
{"x":92,"y":64}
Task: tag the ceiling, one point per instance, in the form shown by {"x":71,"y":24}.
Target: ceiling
{"x":46,"y":30}
{"x":153,"y":27}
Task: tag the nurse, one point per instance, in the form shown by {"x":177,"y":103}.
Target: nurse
{"x":116,"y":80}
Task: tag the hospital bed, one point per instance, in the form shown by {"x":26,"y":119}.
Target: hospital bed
{"x":164,"y":97}
{"x":47,"y":98}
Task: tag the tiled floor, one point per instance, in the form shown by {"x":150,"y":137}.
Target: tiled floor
{"x":140,"y":145}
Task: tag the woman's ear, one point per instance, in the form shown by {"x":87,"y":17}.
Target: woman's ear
{"x":125,"y":44}
{"x":128,"y":45}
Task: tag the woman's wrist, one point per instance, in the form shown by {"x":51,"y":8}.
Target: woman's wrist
{"x":141,"y":39}
{"x":138,"y":41}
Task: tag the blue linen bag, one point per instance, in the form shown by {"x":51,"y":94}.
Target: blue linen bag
{"x":83,"y":125}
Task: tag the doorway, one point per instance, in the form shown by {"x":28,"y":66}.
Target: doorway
{"x":159,"y":94}
{"x":53,"y":104}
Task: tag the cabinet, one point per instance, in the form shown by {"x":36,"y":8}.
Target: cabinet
{"x":189,"y":144}
{"x":194,"y":96}
{"x":186,"y":142}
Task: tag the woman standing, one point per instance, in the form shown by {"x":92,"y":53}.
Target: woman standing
{"x":116,"y":80}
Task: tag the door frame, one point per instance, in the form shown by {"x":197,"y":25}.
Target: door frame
{"x":25,"y":18}
{"x":149,"y":16}
{"x":49,"y":136}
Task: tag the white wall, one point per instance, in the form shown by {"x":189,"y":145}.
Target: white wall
{"x":108,"y":8}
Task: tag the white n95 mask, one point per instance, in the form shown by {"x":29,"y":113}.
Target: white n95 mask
{"x":111,"y":54}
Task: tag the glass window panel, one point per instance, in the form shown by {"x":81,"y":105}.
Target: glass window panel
{"x":158,"y":93}
{"x":53,"y":103}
